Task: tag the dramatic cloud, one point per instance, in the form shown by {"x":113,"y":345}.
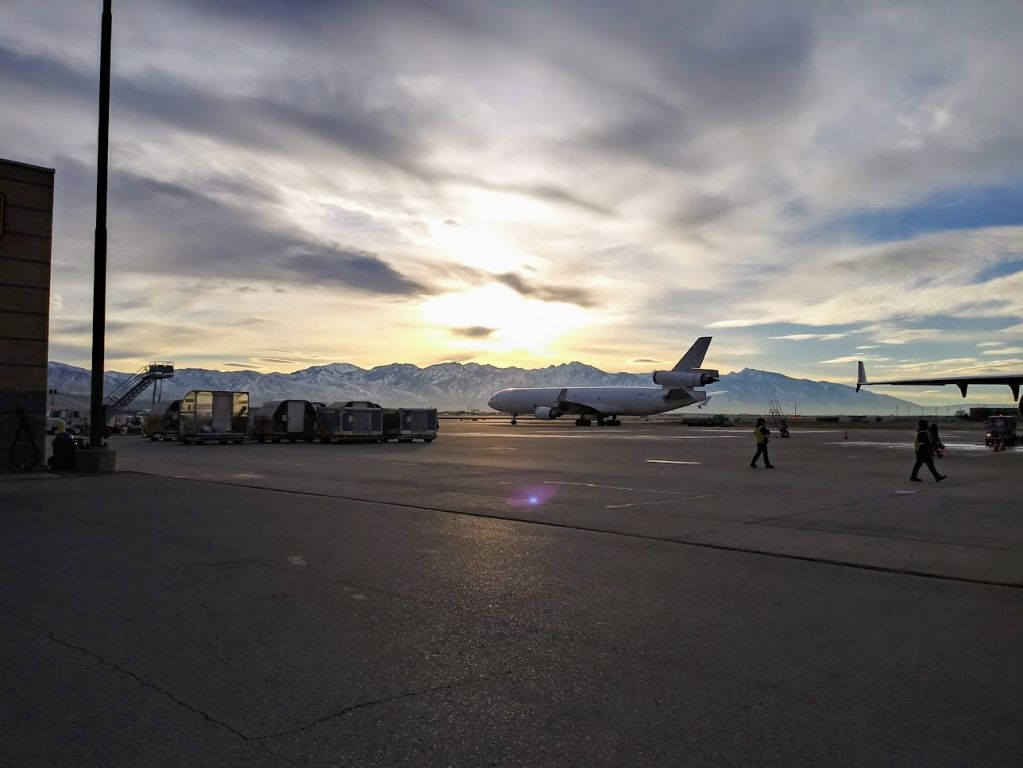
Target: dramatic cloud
{"x":372,"y":182}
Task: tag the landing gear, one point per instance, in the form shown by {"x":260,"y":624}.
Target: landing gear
{"x":612,"y":422}
{"x":583,"y":422}
{"x":514,"y":420}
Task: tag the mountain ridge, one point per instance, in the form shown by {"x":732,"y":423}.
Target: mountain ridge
{"x":451,"y":386}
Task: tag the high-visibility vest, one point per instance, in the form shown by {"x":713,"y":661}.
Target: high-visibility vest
{"x":760,"y":433}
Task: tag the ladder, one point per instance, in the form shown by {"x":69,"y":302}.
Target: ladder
{"x":776,"y":415}
{"x":134,"y":385}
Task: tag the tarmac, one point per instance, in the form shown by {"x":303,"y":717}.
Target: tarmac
{"x":533,"y":595}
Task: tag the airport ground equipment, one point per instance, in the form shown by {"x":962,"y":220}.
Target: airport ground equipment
{"x":71,"y":418}
{"x":161,"y":423}
{"x":136,"y":384}
{"x":408,"y":424}
{"x":1001,"y":430}
{"x":355,"y":421}
{"x":289,"y":420}
{"x":213,"y":416}
{"x":709,"y":420}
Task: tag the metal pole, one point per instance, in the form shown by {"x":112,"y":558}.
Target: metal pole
{"x":97,"y":418}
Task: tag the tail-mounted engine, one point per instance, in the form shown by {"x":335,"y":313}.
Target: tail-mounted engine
{"x":697,"y":377}
{"x":543,"y":412}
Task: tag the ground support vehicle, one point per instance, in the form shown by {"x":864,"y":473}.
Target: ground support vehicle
{"x":213,"y":416}
{"x":354,"y":421}
{"x":408,"y":424}
{"x":71,"y":419}
{"x":161,"y":423}
{"x":1001,"y":430}
{"x":290,"y":420}
{"x":708,"y":420}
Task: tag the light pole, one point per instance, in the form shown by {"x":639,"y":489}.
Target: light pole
{"x":97,"y":419}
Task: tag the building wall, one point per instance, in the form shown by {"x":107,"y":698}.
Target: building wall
{"x":25,"y":238}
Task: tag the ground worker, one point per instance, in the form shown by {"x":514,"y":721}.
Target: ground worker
{"x":922,"y":446}
{"x":762,"y":435}
{"x":937,"y":447}
{"x":64,"y":450}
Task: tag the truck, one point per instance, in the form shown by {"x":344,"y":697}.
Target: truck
{"x":74,"y":420}
{"x":706,"y":420}
{"x":1000,"y":429}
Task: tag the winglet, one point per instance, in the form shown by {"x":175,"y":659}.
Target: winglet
{"x":694,"y":357}
{"x":861,"y":375}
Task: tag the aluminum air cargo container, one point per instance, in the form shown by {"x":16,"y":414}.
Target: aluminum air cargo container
{"x":284,"y":420}
{"x":350,"y":422}
{"x":207,"y":416}
{"x":161,"y":423}
{"x":408,"y":424}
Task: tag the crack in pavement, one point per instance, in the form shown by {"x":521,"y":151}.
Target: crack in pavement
{"x":387,"y":700}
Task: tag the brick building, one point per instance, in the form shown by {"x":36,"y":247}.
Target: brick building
{"x":26,"y":225}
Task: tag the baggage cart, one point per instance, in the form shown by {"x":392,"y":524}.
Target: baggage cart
{"x":161,"y":423}
{"x":289,"y":420}
{"x":207,"y":416}
{"x":350,"y":422}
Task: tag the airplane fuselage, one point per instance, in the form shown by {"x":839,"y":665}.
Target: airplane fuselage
{"x":619,"y":401}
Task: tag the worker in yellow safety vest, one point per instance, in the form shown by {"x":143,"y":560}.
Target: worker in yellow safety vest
{"x":762,"y":435}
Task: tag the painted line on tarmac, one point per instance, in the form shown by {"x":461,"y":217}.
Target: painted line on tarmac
{"x":670,"y":461}
{"x":595,"y":436}
{"x":659,"y":501}
{"x":613,"y":487}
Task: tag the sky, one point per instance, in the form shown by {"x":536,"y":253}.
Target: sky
{"x":294,"y":184}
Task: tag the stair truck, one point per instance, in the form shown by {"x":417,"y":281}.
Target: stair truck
{"x":290,"y":420}
{"x":207,"y":416}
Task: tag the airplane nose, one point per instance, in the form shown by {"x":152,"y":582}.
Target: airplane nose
{"x":491,"y":403}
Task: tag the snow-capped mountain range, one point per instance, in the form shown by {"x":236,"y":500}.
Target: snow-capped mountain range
{"x":459,"y":387}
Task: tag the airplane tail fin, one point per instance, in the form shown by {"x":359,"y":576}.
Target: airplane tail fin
{"x":861,"y":375}
{"x":694,"y":357}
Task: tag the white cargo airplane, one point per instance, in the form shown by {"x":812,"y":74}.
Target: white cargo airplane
{"x":606,"y":404}
{"x":1012,"y":380}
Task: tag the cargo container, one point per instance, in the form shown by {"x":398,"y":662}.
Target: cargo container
{"x":208,"y":416}
{"x":289,"y":420}
{"x":354,"y":421}
{"x":161,"y":423}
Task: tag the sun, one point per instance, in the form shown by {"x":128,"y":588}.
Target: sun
{"x":502,"y":320}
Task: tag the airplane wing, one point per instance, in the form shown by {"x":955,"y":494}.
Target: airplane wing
{"x":569,"y":406}
{"x":1013,"y":381}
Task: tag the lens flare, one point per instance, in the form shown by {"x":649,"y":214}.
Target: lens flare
{"x":532,"y":496}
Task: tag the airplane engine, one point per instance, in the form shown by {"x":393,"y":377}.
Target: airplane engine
{"x":543,"y":412}
{"x":698,"y":377}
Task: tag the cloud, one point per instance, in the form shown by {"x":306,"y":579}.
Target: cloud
{"x":474,"y":332}
{"x":556,"y":293}
{"x":1004,"y":351}
{"x":650,"y":360}
{"x":812,"y":337}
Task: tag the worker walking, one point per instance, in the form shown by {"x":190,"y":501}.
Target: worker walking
{"x":937,"y":447}
{"x":762,"y":435}
{"x":924,"y":450}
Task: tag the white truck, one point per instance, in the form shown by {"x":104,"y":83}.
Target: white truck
{"x":74,"y":420}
